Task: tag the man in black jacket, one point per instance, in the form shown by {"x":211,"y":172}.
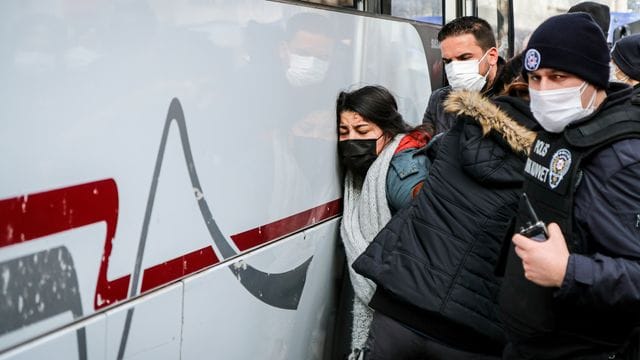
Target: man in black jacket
{"x":472,"y":63}
{"x":433,"y":263}
{"x":576,"y":295}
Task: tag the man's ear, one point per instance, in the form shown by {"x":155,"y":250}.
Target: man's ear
{"x":493,"y":56}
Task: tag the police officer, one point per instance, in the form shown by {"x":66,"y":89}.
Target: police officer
{"x":472,"y":63}
{"x":625,"y":61}
{"x":576,"y":295}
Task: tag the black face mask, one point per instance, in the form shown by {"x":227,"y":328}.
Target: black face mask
{"x":358,"y":155}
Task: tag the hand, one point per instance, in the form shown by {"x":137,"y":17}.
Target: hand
{"x":544,"y":262}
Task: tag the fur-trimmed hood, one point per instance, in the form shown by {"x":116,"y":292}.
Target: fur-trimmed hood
{"x":491,"y":118}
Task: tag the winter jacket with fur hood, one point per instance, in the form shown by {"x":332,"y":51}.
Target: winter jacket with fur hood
{"x":434,"y":262}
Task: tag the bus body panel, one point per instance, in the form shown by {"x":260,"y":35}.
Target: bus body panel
{"x":210,"y":313}
{"x":275,"y":333}
{"x":143,"y":143}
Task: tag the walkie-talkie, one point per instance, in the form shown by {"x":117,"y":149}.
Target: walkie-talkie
{"x":533,"y":228}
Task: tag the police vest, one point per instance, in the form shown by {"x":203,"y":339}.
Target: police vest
{"x":552,"y":175}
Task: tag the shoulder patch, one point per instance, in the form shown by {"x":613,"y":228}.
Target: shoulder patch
{"x":560,"y":164}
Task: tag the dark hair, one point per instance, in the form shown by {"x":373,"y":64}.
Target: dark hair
{"x":479,"y":28}
{"x":512,"y":70}
{"x":377,"y":105}
{"x":511,"y":78}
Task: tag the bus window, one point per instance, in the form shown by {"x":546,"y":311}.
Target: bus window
{"x":495,"y":12}
{"x":339,"y":3}
{"x":429,"y":11}
{"x":527,"y":18}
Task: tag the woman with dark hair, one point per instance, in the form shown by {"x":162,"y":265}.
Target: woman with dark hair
{"x":386,"y":165}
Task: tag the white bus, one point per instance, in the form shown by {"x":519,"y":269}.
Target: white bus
{"x":169,"y":184}
{"x":170,"y":187}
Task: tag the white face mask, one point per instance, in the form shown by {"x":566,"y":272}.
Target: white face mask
{"x":306,"y":70}
{"x":555,"y":109}
{"x":613,"y":71}
{"x":464,"y":75}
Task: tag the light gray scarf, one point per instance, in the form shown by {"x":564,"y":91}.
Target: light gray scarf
{"x":366,"y":212}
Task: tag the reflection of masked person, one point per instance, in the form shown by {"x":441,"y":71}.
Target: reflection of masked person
{"x":307,"y":49}
{"x":306,"y":70}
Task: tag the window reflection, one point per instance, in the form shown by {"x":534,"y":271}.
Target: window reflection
{"x":339,"y":3}
{"x":496,"y":13}
{"x":527,"y":18}
{"x":429,"y":11}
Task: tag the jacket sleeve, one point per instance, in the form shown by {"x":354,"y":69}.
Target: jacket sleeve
{"x":407,"y":169}
{"x":430,"y":117}
{"x":611,"y":276}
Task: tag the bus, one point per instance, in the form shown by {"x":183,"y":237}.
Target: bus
{"x":170,"y":186}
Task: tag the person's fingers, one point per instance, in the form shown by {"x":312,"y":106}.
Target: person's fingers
{"x":521,"y":241}
{"x":554,"y":230}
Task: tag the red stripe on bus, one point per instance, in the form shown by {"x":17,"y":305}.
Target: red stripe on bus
{"x":29,"y":217}
{"x":265,"y":233}
{"x":173,"y":269}
{"x":179,"y":267}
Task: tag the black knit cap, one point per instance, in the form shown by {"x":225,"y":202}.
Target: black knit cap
{"x":573,"y":43}
{"x":599,"y":13}
{"x":626,"y":55}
